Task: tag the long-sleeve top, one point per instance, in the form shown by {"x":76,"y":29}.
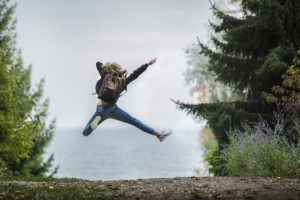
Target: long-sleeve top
{"x":136,"y":73}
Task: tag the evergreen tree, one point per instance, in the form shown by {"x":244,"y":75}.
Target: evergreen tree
{"x":249,"y":54}
{"x":23,"y":129}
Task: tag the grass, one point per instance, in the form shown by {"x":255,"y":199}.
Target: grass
{"x":51,"y":188}
{"x":38,"y":179}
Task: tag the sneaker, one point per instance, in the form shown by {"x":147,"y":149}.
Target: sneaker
{"x":95,"y":122}
{"x":164,"y":135}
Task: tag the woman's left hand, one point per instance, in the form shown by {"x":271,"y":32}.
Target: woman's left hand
{"x":152,"y":61}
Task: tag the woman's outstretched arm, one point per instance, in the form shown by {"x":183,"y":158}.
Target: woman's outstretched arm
{"x":139,"y":71}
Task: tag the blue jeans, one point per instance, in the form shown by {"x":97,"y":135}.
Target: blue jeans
{"x":114,"y":112}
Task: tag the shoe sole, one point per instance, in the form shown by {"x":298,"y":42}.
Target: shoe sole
{"x":95,"y":122}
{"x":165,"y":137}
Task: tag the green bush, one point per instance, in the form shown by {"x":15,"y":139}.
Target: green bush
{"x":215,"y":158}
{"x":259,"y":150}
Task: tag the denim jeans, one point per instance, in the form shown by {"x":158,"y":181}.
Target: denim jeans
{"x":114,"y":112}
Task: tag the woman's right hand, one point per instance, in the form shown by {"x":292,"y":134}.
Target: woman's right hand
{"x":152,"y":61}
{"x":99,"y":64}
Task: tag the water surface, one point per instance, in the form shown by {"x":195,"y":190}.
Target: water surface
{"x":111,"y":154}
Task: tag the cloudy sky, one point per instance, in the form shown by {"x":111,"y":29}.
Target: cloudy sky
{"x":63,"y":39}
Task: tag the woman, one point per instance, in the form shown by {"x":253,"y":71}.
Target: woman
{"x":107,"y":109}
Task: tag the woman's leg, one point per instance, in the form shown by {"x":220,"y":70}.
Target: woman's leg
{"x":92,"y":124}
{"x":123,"y":116}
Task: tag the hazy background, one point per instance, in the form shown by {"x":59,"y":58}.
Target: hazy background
{"x":63,"y":39}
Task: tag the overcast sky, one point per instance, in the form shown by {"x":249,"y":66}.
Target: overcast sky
{"x":63,"y":39}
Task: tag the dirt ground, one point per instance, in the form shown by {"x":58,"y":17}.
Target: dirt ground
{"x":206,"y":188}
{"x":191,"y":187}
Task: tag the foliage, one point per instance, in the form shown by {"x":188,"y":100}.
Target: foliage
{"x":208,"y":139}
{"x":209,"y":143}
{"x":204,"y":82}
{"x":3,"y":169}
{"x":248,"y":52}
{"x":260,"y":150}
{"x":225,"y":116}
{"x":23,"y":113}
{"x":217,"y":162}
{"x":287,"y":95}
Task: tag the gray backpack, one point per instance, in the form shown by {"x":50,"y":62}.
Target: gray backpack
{"x":110,"y":86}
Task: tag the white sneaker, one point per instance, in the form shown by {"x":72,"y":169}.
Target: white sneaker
{"x":164,"y":135}
{"x":95,"y":122}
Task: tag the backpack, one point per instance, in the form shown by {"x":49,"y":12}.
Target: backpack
{"x":110,"y":86}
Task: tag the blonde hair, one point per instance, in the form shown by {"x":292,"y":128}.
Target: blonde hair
{"x":114,"y":67}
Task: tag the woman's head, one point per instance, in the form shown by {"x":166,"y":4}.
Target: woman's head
{"x":114,"y":67}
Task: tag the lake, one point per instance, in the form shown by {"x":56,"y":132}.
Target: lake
{"x":112,"y":154}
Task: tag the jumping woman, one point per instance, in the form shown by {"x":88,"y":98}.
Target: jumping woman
{"x":109,"y":87}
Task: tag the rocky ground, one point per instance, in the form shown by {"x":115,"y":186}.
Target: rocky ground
{"x":188,"y":187}
{"x":207,"y":188}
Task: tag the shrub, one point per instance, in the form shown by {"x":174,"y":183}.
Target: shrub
{"x":258,"y":150}
{"x":215,"y":158}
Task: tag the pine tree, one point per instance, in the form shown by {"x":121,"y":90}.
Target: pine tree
{"x":24,"y":132}
{"x":249,"y":54}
